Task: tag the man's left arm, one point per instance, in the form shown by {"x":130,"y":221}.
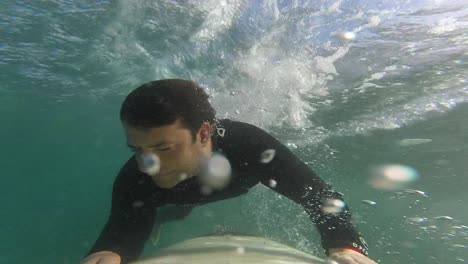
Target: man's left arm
{"x":292,"y":178}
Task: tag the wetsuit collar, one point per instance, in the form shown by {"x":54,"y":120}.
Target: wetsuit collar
{"x":216,"y":132}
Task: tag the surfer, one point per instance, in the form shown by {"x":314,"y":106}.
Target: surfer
{"x":172,"y":130}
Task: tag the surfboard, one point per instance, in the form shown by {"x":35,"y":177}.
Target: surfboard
{"x":230,"y":249}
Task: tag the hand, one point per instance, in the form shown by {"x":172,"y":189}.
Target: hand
{"x":348,"y":256}
{"x":102,"y":257}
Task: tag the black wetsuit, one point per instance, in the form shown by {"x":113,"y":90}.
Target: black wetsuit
{"x":135,"y":197}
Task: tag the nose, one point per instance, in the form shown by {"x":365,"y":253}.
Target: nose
{"x":149,"y":159}
{"x":149,"y":162}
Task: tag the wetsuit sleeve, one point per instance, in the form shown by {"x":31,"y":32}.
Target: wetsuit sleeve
{"x":292,"y":178}
{"x":131,"y":219}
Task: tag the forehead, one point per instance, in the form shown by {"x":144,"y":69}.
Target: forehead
{"x":172,"y":133}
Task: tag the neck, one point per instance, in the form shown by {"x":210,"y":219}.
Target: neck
{"x":208,"y":149}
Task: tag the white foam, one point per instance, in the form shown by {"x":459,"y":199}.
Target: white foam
{"x":334,"y":7}
{"x":221,"y":15}
{"x":398,"y":115}
{"x":374,"y":21}
{"x":278,"y":84}
{"x":275,"y":74}
{"x":445,"y":25}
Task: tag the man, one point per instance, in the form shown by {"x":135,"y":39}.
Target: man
{"x":171,"y":127}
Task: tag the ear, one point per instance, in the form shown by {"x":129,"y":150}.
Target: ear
{"x":204,"y":132}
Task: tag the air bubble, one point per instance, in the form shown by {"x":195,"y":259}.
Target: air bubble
{"x":267,"y":156}
{"x":272,"y":183}
{"x":369,"y":202}
{"x":347,"y":35}
{"x":240,"y":250}
{"x":333,"y":206}
{"x":416,"y":192}
{"x":418,"y":219}
{"x":215,"y":172}
{"x":459,"y":246}
{"x":392,"y":177}
{"x":183,"y":176}
{"x":150,"y":163}
{"x":443,"y":217}
{"x":413,"y":141}
{"x":137,"y":204}
{"x":291,"y":145}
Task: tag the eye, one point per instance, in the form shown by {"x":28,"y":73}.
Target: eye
{"x":164,"y":149}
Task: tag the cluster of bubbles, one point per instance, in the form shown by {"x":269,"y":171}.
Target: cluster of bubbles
{"x":215,"y":171}
{"x":266,"y":157}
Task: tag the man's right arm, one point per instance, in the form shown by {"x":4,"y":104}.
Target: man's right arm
{"x":131,"y":218}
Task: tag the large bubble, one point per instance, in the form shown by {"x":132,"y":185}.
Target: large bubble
{"x":150,"y":163}
{"x":346,"y":35}
{"x":392,"y":177}
{"x":272,"y":183}
{"x":215,"y":173}
{"x":267,"y":156}
{"x":333,"y":206}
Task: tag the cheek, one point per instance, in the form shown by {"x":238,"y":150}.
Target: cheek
{"x":173,"y":159}
{"x":180,"y":158}
{"x":187,"y":158}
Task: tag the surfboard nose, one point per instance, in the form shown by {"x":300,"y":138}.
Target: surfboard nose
{"x":231,"y":249}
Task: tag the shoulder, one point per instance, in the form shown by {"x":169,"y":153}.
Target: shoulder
{"x":243,"y":135}
{"x":127,"y":172}
{"x":233,"y":128}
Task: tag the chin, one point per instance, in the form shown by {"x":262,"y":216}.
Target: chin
{"x":166,"y":185}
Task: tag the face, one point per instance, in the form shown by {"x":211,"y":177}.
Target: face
{"x":173,"y":144}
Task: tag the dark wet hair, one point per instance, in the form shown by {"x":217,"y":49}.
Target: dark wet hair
{"x":162,"y":102}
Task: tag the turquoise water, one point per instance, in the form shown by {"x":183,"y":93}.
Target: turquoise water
{"x":342,"y":103}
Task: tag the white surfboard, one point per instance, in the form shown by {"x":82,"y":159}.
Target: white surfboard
{"x":230,"y":249}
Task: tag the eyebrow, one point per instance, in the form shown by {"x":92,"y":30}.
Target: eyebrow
{"x":153,"y":146}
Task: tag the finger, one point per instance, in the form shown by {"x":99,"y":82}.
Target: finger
{"x":363,"y":259}
{"x":108,"y":261}
{"x":343,"y":260}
